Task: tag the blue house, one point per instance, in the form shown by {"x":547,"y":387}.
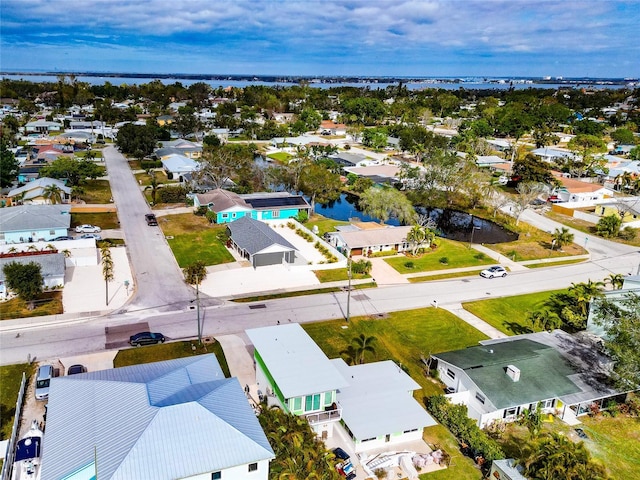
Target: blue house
{"x":32,"y":223}
{"x":230,"y":206}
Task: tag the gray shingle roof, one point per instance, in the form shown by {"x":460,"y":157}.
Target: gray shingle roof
{"x":254,"y":236}
{"x":51,"y":265}
{"x":34,"y":217}
{"x":164,"y":420}
{"x":222,"y":200}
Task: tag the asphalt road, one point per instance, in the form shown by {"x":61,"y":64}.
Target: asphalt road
{"x":159,"y":283}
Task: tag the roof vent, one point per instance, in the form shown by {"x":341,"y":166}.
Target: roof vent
{"x":513,"y":372}
{"x":491,"y":350}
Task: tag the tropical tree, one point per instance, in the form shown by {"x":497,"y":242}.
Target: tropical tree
{"x":362,"y":344}
{"x":616,"y":280}
{"x":561,"y":237}
{"x":25,"y":279}
{"x":107,"y":268}
{"x":154,"y":186}
{"x":53,"y":193}
{"x":387,"y":202}
{"x":527,"y":193}
{"x":532,"y":419}
{"x":555,"y":457}
{"x":609,"y":226}
{"x":544,"y":319}
{"x":319,"y":184}
{"x":9,"y":166}
{"x":194,"y":274}
{"x":585,"y":292}
{"x":221,"y":164}
{"x":620,"y":318}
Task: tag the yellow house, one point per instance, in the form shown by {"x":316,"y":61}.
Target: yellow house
{"x":164,"y":120}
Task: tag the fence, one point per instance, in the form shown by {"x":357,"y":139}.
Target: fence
{"x":7,"y":466}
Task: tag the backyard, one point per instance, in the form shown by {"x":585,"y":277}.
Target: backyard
{"x":448,"y":254}
{"x":193,"y":238}
{"x":509,"y":314}
{"x":324,"y":224}
{"x":96,"y":191}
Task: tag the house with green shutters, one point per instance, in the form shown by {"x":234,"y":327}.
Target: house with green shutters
{"x":373,"y":403}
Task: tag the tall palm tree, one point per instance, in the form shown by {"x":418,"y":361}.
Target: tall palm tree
{"x":362,"y":344}
{"x":562,"y":237}
{"x":154,"y":186}
{"x":585,"y":292}
{"x":53,"y":193}
{"x":416,"y":237}
{"x":616,"y":280}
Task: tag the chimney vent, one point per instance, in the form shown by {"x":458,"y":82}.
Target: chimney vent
{"x":513,"y":372}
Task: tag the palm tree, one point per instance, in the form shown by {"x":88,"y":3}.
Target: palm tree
{"x":350,"y":355}
{"x":561,"y":237}
{"x":362,"y":345}
{"x":53,"y":193}
{"x":194,"y":274}
{"x":585,"y":292}
{"x":544,"y":320}
{"x":107,"y":268}
{"x":416,"y":237}
{"x":77,"y":191}
{"x":616,"y":280}
{"x":154,"y":186}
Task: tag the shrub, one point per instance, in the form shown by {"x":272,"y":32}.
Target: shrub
{"x":291,"y":225}
{"x":444,"y":260}
{"x":211,"y":216}
{"x":149,"y":164}
{"x":201,"y":211}
{"x":361,"y":267}
{"x":409,"y":264}
{"x":303,"y":217}
{"x":173,"y":194}
{"x":628,"y":233}
{"x":479,"y":256}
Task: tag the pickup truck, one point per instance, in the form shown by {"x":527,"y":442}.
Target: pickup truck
{"x":151,"y":219}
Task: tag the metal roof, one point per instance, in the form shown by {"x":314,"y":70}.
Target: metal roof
{"x":295,"y":362}
{"x":255,"y":236}
{"x":51,"y":264}
{"x":154,"y":421}
{"x":379,"y":400}
{"x":175,"y":162}
{"x":34,"y":217}
{"x":375,"y":236}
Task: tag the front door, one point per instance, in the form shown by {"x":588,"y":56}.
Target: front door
{"x":387,"y":437}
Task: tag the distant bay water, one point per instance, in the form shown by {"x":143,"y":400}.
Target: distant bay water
{"x":493,"y":84}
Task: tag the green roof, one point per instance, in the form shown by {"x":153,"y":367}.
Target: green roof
{"x":544,"y":373}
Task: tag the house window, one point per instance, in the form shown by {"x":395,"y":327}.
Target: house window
{"x":253,"y":467}
{"x":547,"y":404}
{"x":451,"y":373}
{"x":52,"y":232}
{"x":480,"y":398}
{"x":233,"y":215}
{"x":275,"y":213}
{"x":412,"y":430}
{"x":510,"y":412}
{"x":297,"y":404}
{"x":216,"y":475}
{"x":327,"y":398}
{"x":312,"y":403}
{"x":225,"y":215}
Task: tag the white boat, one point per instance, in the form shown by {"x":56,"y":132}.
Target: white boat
{"x":26,"y":465}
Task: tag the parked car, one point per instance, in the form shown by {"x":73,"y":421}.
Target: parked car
{"x":496,"y":271}
{"x":151,"y":219}
{"x":60,"y":239}
{"x":88,"y":229}
{"x":43,"y":380}
{"x":146,"y":338}
{"x":91,"y":235}
{"x":75,"y":369}
{"x":340,"y":454}
{"x":581,"y":433}
{"x":554,"y":199}
{"x":346,"y":469}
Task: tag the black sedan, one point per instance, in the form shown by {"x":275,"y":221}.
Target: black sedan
{"x":146,"y":338}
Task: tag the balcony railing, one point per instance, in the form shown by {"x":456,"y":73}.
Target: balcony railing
{"x":326,"y":416}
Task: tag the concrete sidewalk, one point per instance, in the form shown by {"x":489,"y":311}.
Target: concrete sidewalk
{"x":475,"y":322}
{"x":498,"y":257}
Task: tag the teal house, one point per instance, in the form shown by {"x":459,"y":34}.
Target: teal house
{"x":229,"y":206}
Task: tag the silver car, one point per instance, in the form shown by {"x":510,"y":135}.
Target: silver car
{"x":43,"y":380}
{"x":491,"y":272}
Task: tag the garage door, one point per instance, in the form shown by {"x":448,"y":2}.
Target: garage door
{"x":267,"y":259}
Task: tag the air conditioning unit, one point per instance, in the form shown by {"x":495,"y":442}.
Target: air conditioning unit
{"x":513,"y":372}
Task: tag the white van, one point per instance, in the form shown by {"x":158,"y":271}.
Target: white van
{"x":43,"y":380}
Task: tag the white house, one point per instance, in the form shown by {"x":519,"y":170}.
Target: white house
{"x":362,"y":241}
{"x":177,"y":166}
{"x":500,"y":379}
{"x":52,"y":267}
{"x":33,"y":192}
{"x":373,"y":402}
{"x":177,"y":419}
{"x":32,"y":223}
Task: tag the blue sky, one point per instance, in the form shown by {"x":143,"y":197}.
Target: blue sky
{"x":595,"y":38}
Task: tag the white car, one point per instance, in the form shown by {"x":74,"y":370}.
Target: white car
{"x":491,"y":272}
{"x":88,"y":229}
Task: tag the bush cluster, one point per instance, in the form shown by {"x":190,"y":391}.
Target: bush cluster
{"x":172,"y":194}
{"x":361,"y":267}
{"x":149,"y":164}
{"x":307,"y":236}
{"x":465,"y":429}
{"x":331,"y":258}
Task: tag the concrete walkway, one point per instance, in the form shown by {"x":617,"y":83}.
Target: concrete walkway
{"x":475,"y":322}
{"x":383,"y":273}
{"x":238,"y":358}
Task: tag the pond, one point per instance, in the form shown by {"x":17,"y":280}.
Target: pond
{"x":450,"y":224}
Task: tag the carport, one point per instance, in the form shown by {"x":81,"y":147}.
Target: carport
{"x":259,"y":243}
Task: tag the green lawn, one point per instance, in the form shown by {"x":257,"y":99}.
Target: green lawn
{"x":458,"y":254}
{"x":442,"y":276}
{"x":337,"y":274}
{"x":300,"y":293}
{"x":324,"y":224}
{"x":509,"y":314}
{"x":96,"y":154}
{"x":461,"y":468}
{"x":555,"y":264}
{"x":402,"y":336}
{"x":194,"y":238}
{"x":10,"y":378}
{"x":280,"y":156}
{"x":169,"y":351}
{"x":105,"y":220}
{"x":47,"y":303}
{"x":96,"y":191}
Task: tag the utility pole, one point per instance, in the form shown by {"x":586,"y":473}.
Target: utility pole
{"x":198,"y":312}
{"x":349,"y":291}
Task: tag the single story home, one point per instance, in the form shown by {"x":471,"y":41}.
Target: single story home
{"x":33,"y":192}
{"x":370,"y":239}
{"x":32,"y":223}
{"x":499,"y":144}
{"x":52,"y":267}
{"x":29,"y":173}
{"x":177,"y":166}
{"x":42,"y":126}
{"x":77,"y":136}
{"x":259,"y":243}
{"x":332,"y":128}
{"x":500,"y":379}
{"x":288,"y":142}
{"x":180,"y":147}
{"x":163,"y":120}
{"x":380,"y":174}
{"x":573,"y":190}
{"x":230,"y":206}
{"x":488,"y":160}
{"x":347,"y":159}
{"x":177,"y":419}
{"x":552,"y":155}
{"x":373,"y":402}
